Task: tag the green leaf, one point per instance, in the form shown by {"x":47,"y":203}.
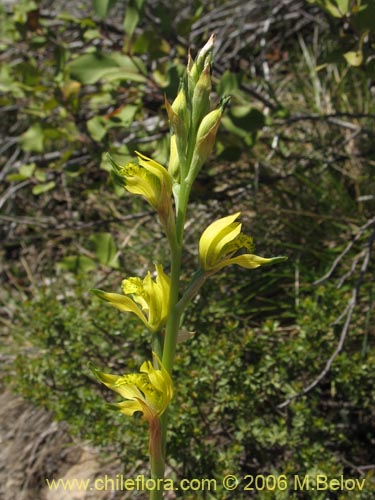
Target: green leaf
{"x":90,"y":68}
{"x":77,"y":264}
{"x":97,"y":126}
{"x":24,"y":172}
{"x":106,"y":249}
{"x":337,"y":8}
{"x":229,"y":83}
{"x":101,"y":7}
{"x":33,"y":138}
{"x":132,"y":15}
{"x":43,"y":188}
{"x":243,"y":120}
{"x":91,"y":34}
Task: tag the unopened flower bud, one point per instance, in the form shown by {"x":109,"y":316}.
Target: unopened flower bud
{"x":179,"y":105}
{"x":174,"y":161}
{"x":177,"y":114}
{"x":206,"y":136}
{"x":201,"y":96}
{"x":205,"y":140}
{"x":195,"y":68}
{"x":205,"y":54}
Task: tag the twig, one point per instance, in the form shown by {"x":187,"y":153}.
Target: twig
{"x":11,"y":190}
{"x":344,"y":252}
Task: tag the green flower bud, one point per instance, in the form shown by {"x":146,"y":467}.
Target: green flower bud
{"x":201,"y":97}
{"x":206,"y":136}
{"x":205,"y":54}
{"x":174,"y":161}
{"x":179,"y":105}
{"x":195,"y":68}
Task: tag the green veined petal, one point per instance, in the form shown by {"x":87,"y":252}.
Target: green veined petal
{"x":157,"y":170}
{"x":226,"y":236}
{"x":210,"y":233}
{"x":249,"y":261}
{"x":121,"y":302}
{"x":129,"y":407}
{"x":163,"y":283}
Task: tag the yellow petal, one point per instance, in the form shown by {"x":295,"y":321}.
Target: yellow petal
{"x":163,"y":283}
{"x":249,"y":261}
{"x":160,"y":379}
{"x":121,"y":302}
{"x":128,"y":407}
{"x":147,"y":186}
{"x":226,"y":236}
{"x":156,"y":169}
{"x":210,"y":233}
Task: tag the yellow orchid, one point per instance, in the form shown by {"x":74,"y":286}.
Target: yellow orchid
{"x":152,"y":297}
{"x":222,"y":239}
{"x":149,"y":391}
{"x":148,"y":179}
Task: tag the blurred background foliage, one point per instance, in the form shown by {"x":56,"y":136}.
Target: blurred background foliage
{"x":280,"y":375}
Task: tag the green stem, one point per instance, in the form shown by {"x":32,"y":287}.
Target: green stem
{"x":157,"y":344}
{"x":174,"y":317}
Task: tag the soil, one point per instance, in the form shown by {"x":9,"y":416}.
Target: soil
{"x":34,"y":448}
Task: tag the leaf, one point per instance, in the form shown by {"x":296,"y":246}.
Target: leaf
{"x":43,"y":188}
{"x":106,"y":249}
{"x":24,"y":172}
{"x":90,"y":68}
{"x":243,"y":120}
{"x":229,"y":83}
{"x":77,"y":264}
{"x":132,"y":15}
{"x":101,"y":7}
{"x":337,"y":8}
{"x":33,"y":138}
{"x":97,"y":127}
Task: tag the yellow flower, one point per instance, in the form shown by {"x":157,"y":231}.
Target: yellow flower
{"x":149,"y":391}
{"x":150,"y":299}
{"x":222,"y":239}
{"x":148,"y":179}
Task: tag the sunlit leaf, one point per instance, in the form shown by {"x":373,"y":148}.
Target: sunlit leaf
{"x":106,"y":249}
{"x":33,"y":138}
{"x":132,"y":16}
{"x":101,"y":7}
{"x":90,"y":68}
{"x":77,"y":264}
{"x":97,"y":127}
{"x":43,"y":188}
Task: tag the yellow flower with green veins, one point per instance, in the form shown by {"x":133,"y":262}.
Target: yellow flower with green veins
{"x":149,"y":391}
{"x":222,"y":239}
{"x":148,"y":179}
{"x":150,"y":299}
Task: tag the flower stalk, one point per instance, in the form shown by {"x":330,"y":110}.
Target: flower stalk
{"x":159,"y":302}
